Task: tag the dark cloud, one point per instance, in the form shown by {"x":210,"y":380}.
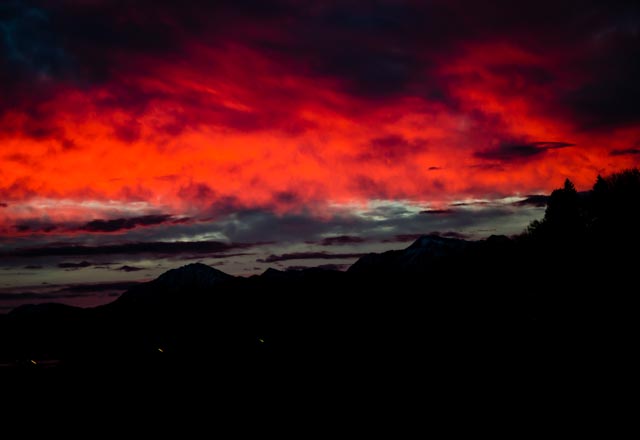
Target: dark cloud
{"x":47,"y":47}
{"x":30,"y":45}
{"x":370,"y":187}
{"x":126,"y":268}
{"x":538,"y":200}
{"x":451,"y":234}
{"x":552,"y":145}
{"x":99,"y":287}
{"x":434,"y":169}
{"x":338,"y":267}
{"x":3,"y":205}
{"x":156,"y":248}
{"x":370,"y":50}
{"x":119,"y":224}
{"x":216,"y":256}
{"x":519,"y":76}
{"x":197,"y":191}
{"x":369,"y":47}
{"x":625,"y":152}
{"x":370,"y":71}
{"x":513,"y":152}
{"x":471,"y":203}
{"x":437,"y":211}
{"x":341,"y":240}
{"x":80,"y":265}
{"x":100,"y":225}
{"x":35,"y":225}
{"x":33,"y":266}
{"x":382,"y":49}
{"x":609,"y":98}
{"x":287,"y":198}
{"x":402,"y":238}
{"x":408,"y":238}
{"x":308,"y":256}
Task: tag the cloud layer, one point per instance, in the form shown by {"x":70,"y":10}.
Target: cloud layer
{"x":282,"y":104}
{"x":192,"y":129}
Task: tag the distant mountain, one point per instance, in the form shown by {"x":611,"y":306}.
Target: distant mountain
{"x":192,"y":275}
{"x":192,"y":278}
{"x":416,"y":257}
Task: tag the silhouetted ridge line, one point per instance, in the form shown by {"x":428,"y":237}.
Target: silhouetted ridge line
{"x":196,"y":274}
{"x":421,"y":252}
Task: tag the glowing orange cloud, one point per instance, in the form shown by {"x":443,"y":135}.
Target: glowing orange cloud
{"x":228,"y":123}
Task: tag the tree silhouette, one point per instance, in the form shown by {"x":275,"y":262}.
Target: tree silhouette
{"x":563,"y":219}
{"x":615,"y":205}
{"x":610,"y":211}
{"x":562,"y":207}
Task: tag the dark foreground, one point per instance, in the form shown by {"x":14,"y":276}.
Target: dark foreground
{"x":462,"y":346}
{"x":459,"y":317}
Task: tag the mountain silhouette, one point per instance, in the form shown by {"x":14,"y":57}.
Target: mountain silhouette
{"x":187,"y":280}
{"x":425,"y":250}
{"x":192,"y":275}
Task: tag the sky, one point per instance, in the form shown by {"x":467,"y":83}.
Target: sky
{"x":140,"y":136}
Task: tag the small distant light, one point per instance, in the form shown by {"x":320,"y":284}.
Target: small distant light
{"x":33,"y":362}
{"x":160,"y":350}
{"x":261,"y":340}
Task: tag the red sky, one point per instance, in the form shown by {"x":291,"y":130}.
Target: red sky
{"x":112,"y":110}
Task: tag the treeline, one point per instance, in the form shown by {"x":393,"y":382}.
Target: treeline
{"x":606,"y":214}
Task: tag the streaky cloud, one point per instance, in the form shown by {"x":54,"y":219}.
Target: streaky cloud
{"x":157,"y":248}
{"x":625,"y":152}
{"x":512,"y":152}
{"x":308,"y":256}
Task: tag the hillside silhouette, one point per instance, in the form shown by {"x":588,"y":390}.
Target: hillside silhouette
{"x":556,"y":303}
